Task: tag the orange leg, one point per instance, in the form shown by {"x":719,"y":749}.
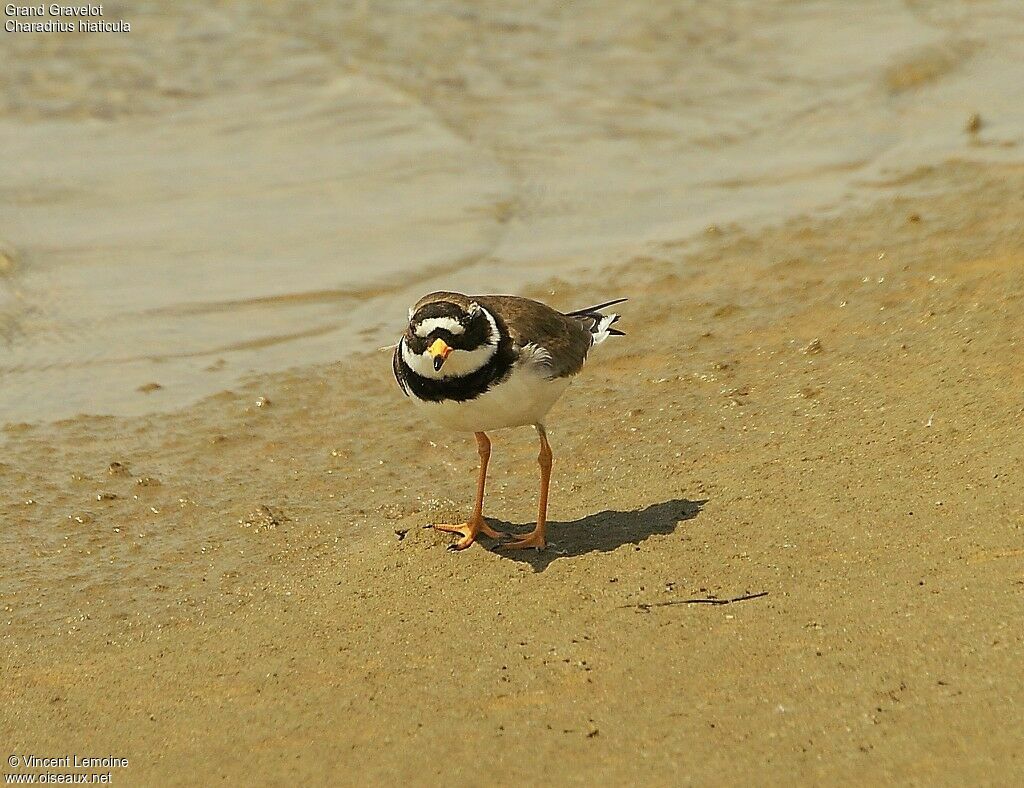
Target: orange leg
{"x":476,"y":524}
{"x":536,"y":537}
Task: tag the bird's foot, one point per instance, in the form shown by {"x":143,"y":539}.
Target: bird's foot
{"x":533,"y":539}
{"x":469,"y":532}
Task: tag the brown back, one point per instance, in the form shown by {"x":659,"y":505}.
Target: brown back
{"x":531,"y":322}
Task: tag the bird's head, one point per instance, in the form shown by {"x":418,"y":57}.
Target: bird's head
{"x":449,"y":335}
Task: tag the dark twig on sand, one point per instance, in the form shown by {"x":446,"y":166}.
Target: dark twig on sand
{"x":645,"y":606}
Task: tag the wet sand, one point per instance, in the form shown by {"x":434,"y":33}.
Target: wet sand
{"x":239,"y":188}
{"x":827,"y":413}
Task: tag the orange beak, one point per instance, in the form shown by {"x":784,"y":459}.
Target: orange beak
{"x":440,"y":351}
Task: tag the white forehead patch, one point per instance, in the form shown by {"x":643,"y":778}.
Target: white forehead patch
{"x":434,"y":323}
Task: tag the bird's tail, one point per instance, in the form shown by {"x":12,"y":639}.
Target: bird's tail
{"x":598,"y":323}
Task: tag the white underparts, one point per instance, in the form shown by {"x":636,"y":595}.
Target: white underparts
{"x":524,"y":398}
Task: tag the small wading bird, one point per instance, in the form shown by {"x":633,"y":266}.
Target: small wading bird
{"x":481,"y":363}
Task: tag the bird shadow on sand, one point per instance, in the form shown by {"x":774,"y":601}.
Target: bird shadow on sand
{"x":600,"y":532}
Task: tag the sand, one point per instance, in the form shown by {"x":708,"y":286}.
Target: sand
{"x":786,"y":525}
{"x":826,"y":413}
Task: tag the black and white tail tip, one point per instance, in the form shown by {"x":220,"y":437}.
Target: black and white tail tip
{"x":599,"y":324}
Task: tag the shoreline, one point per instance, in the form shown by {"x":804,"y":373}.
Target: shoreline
{"x":229,"y":190}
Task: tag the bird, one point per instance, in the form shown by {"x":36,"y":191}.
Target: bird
{"x":488,"y":362}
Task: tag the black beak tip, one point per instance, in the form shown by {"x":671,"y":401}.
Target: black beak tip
{"x":438,"y":361}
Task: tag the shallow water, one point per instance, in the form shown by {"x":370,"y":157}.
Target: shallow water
{"x":229,"y":191}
